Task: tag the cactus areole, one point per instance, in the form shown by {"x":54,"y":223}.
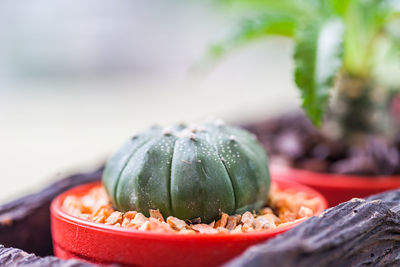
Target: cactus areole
{"x":189,"y":172}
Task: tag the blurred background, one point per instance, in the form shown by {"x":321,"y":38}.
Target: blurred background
{"x":78,"y":78}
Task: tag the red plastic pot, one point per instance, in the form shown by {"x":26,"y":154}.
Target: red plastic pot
{"x":335,"y":187}
{"x":104,"y":244}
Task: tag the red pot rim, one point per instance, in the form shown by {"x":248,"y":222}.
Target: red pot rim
{"x":56,"y":211}
{"x":340,"y":181}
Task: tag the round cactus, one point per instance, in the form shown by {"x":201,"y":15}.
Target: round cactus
{"x":189,"y":172}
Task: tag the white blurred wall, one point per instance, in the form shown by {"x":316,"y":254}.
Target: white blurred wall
{"x":77,"y":81}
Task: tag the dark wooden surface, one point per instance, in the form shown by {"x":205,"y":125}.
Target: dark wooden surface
{"x":355,"y":233}
{"x":18,"y":258}
{"x":25,"y":223}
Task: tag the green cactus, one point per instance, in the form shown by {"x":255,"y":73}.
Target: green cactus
{"x":189,"y":172}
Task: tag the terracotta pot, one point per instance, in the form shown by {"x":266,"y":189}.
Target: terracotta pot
{"x":337,"y":188}
{"x":103,"y":244}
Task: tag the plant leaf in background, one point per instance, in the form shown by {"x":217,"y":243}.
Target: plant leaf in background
{"x":318,"y":57}
{"x":273,"y":18}
{"x":388,"y":52}
{"x":316,"y":42}
{"x":339,"y":6}
{"x":365,"y":21}
{"x":266,"y":24}
{"x":329,"y":35}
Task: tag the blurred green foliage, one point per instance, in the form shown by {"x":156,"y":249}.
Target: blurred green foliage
{"x":331,"y":37}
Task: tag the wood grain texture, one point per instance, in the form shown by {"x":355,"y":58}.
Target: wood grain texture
{"x":19,"y":258}
{"x":25,"y":223}
{"x":355,"y":233}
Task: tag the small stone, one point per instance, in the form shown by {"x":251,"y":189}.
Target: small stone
{"x":101,"y":215}
{"x":187,"y":232}
{"x":261,"y":223}
{"x":176,"y":223}
{"x":158,"y":226}
{"x":115,"y":217}
{"x":130,"y":215}
{"x":305,"y":212}
{"x":247,"y":228}
{"x":222,"y":230}
{"x":232,"y":222}
{"x":139,"y":219}
{"x":237,"y":230}
{"x":204,"y":229}
{"x":156,"y":214}
{"x":223,"y":221}
{"x":265,"y":210}
{"x":145,"y":226}
{"x":248,"y":218}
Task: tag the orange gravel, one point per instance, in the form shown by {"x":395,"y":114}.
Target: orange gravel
{"x":283,"y":208}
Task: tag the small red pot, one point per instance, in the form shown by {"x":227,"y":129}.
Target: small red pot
{"x":104,"y":244}
{"x":337,"y":188}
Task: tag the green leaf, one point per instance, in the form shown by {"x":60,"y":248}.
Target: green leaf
{"x":365,"y":25}
{"x":340,"y":6}
{"x":318,"y":57}
{"x":267,"y":24}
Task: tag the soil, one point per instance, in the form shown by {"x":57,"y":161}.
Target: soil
{"x":292,"y":140}
{"x":284,"y":207}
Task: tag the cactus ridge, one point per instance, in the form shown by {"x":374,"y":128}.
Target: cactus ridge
{"x":117,"y":163}
{"x":189,"y":171}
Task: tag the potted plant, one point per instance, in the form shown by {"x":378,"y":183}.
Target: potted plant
{"x":347,"y":60}
{"x":185,"y":195}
